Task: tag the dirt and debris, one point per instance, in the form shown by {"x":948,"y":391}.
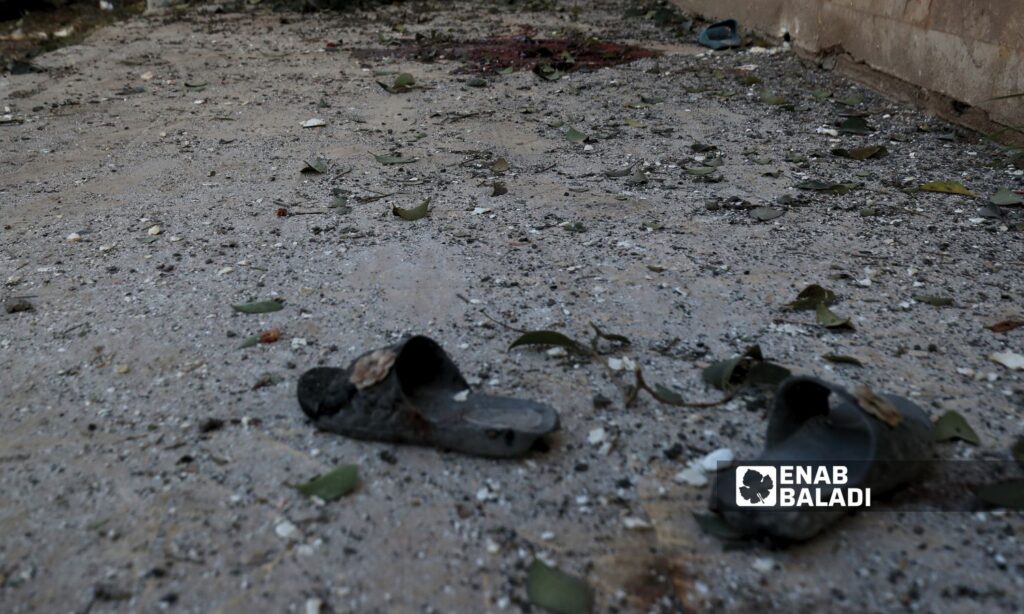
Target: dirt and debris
{"x":641,"y":196}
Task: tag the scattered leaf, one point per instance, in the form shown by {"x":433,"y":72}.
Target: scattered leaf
{"x":548,"y":337}
{"x":765,"y":214}
{"x":499,"y":166}
{"x":403,"y":83}
{"x":392,"y":159}
{"x":249,"y":342}
{"x":851,"y":101}
{"x":820,"y":94}
{"x":1005,"y":326}
{"x":843,"y":360}
{"x":810,"y":297}
{"x":575,"y":136}
{"x":616,"y":173}
{"x":877,"y":406}
{"x":951,"y":425}
{"x":632,"y":123}
{"x":774,"y":100}
{"x":747,"y":368}
{"x":274,"y":304}
{"x":946,"y":187}
{"x":270,"y":336}
{"x":855,"y":125}
{"x":556,"y":591}
{"x":827,"y":318}
{"x":862,"y":153}
{"x":1008,"y":494}
{"x":333,"y":484}
{"x":647,"y":99}
{"x":414,"y":213}
{"x":1006,"y":198}
{"x":317,"y":166}
{"x":1010,"y":360}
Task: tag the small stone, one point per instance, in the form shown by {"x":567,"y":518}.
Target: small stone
{"x":692,"y":476}
{"x":460,"y":397}
{"x":314,"y":122}
{"x":286,"y":530}
{"x":763,"y":564}
{"x":313,"y":605}
{"x":154,"y":230}
{"x":74,"y":237}
{"x":596,"y":436}
{"x":635,"y":524}
{"x":712,"y":461}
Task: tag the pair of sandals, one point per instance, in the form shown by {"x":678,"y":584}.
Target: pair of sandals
{"x":413,"y":393}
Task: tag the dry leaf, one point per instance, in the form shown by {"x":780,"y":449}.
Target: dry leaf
{"x":372,"y":368}
{"x":877,"y":406}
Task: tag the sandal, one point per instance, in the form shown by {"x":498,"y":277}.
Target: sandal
{"x":412,"y":392}
{"x":884,"y":441}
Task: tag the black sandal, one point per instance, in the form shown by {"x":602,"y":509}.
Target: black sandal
{"x":413,"y":393}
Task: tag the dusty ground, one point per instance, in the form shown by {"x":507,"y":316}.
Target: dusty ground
{"x":115,"y":499}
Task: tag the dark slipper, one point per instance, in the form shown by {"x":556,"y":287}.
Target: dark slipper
{"x":721,"y":35}
{"x":413,"y":393}
{"x":884,"y":441}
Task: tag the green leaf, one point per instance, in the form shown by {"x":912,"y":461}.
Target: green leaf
{"x":774,"y":100}
{"x":852,"y":100}
{"x":855,"y":125}
{"x":828,"y":188}
{"x":843,"y":360}
{"x":747,"y":368}
{"x":951,"y":425}
{"x":575,"y":136}
{"x":821,"y":94}
{"x":767,"y":374}
{"x":332,"y":485}
{"x":499,"y":166}
{"x":250,"y":342}
{"x":548,"y":337}
{"x":828,"y":319}
{"x":556,"y":591}
{"x":616,"y":173}
{"x":766,"y":214}
{"x":1006,"y":198}
{"x":862,"y":153}
{"x":317,"y":166}
{"x":1008,"y":494}
{"x":668,"y":395}
{"x":274,"y":304}
{"x":391,"y":159}
{"x":809,"y":298}
{"x":403,"y":83}
{"x":414,"y":213}
{"x":946,"y":187}
{"x":715,"y":526}
{"x":934,"y":301}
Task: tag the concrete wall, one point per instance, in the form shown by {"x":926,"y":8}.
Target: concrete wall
{"x":929,"y":52}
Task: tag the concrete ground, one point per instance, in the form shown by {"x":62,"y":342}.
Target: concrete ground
{"x":121,"y":494}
